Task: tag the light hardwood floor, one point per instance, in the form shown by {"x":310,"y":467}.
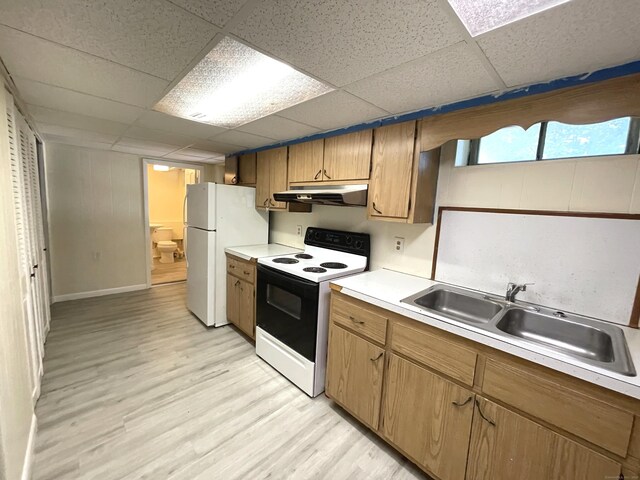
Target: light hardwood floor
{"x":168,"y":272}
{"x":136,"y":387}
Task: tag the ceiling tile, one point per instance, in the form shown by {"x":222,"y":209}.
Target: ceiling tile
{"x":159,"y":136}
{"x":570,"y":39}
{"x":143,"y":147}
{"x":74,"y":120}
{"x":341,"y":42}
{"x":187,"y":154}
{"x":153,"y":36}
{"x":218,"y":12}
{"x":244,"y":139}
{"x":443,"y":77}
{"x":333,"y":110}
{"x":278,"y":128}
{"x":78,"y":142}
{"x":60,"y":131}
{"x":216,"y":147}
{"x":44,"y":95}
{"x":168,"y":123}
{"x":81,"y":72}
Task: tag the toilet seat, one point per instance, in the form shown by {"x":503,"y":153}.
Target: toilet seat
{"x":167,"y":244}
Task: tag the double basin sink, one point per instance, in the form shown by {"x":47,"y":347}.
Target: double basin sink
{"x":590,"y":341}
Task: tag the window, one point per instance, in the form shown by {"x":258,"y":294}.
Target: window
{"x":552,"y":140}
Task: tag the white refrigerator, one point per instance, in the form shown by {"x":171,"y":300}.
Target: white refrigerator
{"x":217,"y":216}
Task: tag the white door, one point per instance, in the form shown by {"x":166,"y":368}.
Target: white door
{"x":201,"y":274}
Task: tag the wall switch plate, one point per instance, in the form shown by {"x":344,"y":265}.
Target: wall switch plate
{"x":299,"y":230}
{"x":398,"y":244}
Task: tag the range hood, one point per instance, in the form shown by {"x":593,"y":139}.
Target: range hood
{"x":342,"y":195}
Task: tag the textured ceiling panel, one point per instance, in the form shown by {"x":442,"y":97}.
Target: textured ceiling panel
{"x":143,"y":147}
{"x":343,"y":41}
{"x":216,"y":147}
{"x":246,"y":140}
{"x":333,"y":110}
{"x":82,"y":134}
{"x":153,"y":36}
{"x":69,"y":101}
{"x":442,"y":77}
{"x":570,"y":39}
{"x":278,"y":128}
{"x":78,"y":142}
{"x":159,"y":136}
{"x":218,"y":12}
{"x":65,"y":67}
{"x":74,"y":120}
{"x":167,"y":123}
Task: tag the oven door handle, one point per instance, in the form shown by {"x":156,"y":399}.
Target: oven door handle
{"x":268,"y":273}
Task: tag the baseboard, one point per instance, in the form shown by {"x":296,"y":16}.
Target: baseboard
{"x":27,"y":466}
{"x":98,"y":293}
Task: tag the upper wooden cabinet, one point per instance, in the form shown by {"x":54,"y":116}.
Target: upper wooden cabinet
{"x":247,"y":169}
{"x":403,"y":181}
{"x":305,"y":161}
{"x":348,"y":157}
{"x":271,"y":177}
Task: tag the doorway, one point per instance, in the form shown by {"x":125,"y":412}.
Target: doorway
{"x":165,"y":185}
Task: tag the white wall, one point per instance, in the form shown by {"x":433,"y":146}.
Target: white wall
{"x":97,"y":231}
{"x":603,"y":184}
{"x":16,"y":409}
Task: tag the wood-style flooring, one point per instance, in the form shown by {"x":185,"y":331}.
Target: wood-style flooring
{"x":168,"y":272}
{"x":136,"y":387}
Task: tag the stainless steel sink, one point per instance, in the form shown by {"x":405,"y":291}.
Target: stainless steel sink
{"x":596,"y":343}
{"x":457,"y":304}
{"x":588,"y":340}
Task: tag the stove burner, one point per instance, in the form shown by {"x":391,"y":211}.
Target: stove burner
{"x":333,"y":265}
{"x":304,"y":256}
{"x":314,"y":269}
{"x":285,"y":260}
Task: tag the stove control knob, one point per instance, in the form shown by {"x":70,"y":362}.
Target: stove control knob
{"x":317,"y":235}
{"x":349,"y":240}
{"x":358,"y":243}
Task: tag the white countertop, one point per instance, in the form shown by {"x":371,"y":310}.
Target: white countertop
{"x":385,"y":288}
{"x":250,"y":252}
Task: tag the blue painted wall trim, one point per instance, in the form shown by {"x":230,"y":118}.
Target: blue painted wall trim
{"x":582,"y":79}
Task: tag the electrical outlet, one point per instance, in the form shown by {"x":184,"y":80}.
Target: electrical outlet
{"x":398,"y":244}
{"x":299,"y":230}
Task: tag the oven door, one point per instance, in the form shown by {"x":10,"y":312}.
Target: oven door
{"x":287,"y":308}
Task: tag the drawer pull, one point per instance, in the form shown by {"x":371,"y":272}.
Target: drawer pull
{"x":456,"y":404}
{"x":490,"y":422}
{"x":246,"y":273}
{"x":354,"y":320}
{"x":377,"y":358}
{"x":232,"y":267}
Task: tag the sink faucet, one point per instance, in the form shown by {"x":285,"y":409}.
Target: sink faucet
{"x":513,"y":289}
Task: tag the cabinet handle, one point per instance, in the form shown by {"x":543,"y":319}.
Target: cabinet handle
{"x":377,"y":358}
{"x":232,"y":267}
{"x":376,"y":208}
{"x":237,"y":283}
{"x":326,"y":174}
{"x":271,"y":203}
{"x":317,"y":174}
{"x":457,"y":404}
{"x":246,"y":273}
{"x":265,"y":202}
{"x":354,"y":320}
{"x":489,"y":421}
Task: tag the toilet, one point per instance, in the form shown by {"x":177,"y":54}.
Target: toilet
{"x":166,"y":247}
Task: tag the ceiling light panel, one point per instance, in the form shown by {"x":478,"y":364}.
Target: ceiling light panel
{"x":235,"y":84}
{"x":480,"y":16}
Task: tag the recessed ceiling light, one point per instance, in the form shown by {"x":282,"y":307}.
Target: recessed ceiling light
{"x":235,"y":84}
{"x":480,"y":16}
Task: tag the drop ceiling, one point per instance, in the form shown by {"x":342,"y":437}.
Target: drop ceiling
{"x":91,"y":72}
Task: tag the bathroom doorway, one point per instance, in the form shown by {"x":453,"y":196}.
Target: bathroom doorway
{"x":165,"y":185}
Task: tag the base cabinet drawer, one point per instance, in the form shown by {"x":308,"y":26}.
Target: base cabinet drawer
{"x":427,"y":417}
{"x":505,"y":446}
{"x":366,"y":321}
{"x":354,"y":374}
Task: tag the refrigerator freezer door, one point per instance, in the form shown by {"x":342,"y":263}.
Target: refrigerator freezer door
{"x":201,"y":205}
{"x":201,"y":268}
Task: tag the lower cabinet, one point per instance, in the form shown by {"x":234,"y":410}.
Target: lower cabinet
{"x":354,"y":374}
{"x":428,"y":417}
{"x":505,"y":445}
{"x":241,"y":295}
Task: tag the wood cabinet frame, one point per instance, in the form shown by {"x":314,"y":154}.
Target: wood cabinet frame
{"x":241,"y":288}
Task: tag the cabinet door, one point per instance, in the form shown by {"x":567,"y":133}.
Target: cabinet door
{"x":348,"y":157}
{"x":390,"y":183}
{"x":232,"y":299}
{"x":247,"y":169}
{"x":277,"y":175}
{"x":246,"y":317}
{"x":305,"y":161}
{"x":428,"y":417}
{"x":262,"y":179}
{"x":354,"y":374}
{"x":505,"y":445}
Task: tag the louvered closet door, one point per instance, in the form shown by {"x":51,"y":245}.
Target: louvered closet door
{"x":24,"y":247}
